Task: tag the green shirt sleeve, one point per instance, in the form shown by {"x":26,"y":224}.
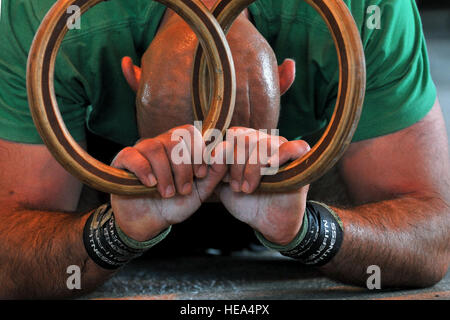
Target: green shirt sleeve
{"x":400,"y":91}
{"x":18,"y":24}
{"x":90,"y":88}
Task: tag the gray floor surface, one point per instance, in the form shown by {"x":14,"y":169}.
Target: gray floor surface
{"x":244,"y":277}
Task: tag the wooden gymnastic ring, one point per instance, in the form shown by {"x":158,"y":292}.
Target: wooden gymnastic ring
{"x":352,"y":83}
{"x":46,"y":114}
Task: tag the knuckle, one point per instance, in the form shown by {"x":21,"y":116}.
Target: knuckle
{"x":152,"y":146}
{"x":128,"y":151}
{"x":190,"y":131}
{"x":189,"y":127}
{"x":173,"y":143}
{"x":124,"y":155}
{"x":235,"y":131}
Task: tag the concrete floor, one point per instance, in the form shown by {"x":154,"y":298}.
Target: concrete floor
{"x":243,"y":277}
{"x":267,"y":275}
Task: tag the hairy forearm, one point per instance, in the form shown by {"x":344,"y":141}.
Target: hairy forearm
{"x":37,"y":247}
{"x":407,"y":238}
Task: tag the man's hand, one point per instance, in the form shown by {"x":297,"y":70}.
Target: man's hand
{"x":180,"y":195}
{"x":278,"y":216}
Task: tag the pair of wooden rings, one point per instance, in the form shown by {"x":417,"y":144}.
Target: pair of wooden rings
{"x":210,"y":27}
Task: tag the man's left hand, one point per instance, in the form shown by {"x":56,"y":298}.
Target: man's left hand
{"x":277,"y":216}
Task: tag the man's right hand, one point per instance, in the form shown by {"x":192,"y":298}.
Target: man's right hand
{"x":182,"y":188}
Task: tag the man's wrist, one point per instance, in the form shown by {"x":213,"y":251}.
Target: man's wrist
{"x":319,"y":239}
{"x":107,"y":245}
{"x":145,"y":245}
{"x":149,"y":233}
{"x":294,"y":243}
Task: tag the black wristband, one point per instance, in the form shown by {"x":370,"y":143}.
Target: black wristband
{"x":323,"y":238}
{"x":107,"y":245}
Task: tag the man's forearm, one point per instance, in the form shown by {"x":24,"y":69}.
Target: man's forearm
{"x":407,"y":238}
{"x":37,"y":249}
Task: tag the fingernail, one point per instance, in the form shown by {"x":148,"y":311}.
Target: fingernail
{"x":235,"y":186}
{"x":152,"y":180}
{"x":246,"y":187}
{"x":187,"y":189}
{"x":170,"y":191}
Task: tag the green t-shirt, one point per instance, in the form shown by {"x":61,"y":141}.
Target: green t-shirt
{"x":93,"y":94}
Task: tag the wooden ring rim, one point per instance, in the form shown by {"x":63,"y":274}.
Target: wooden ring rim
{"x":352,"y":83}
{"x":47,"y":117}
